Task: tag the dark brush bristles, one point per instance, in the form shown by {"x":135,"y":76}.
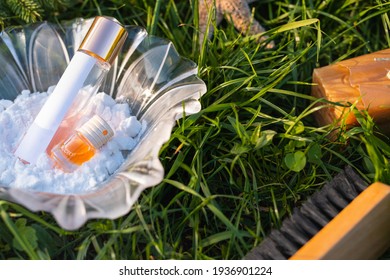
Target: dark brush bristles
{"x":310,"y":218}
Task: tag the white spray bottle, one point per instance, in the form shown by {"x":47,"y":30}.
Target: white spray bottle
{"x":86,"y":71}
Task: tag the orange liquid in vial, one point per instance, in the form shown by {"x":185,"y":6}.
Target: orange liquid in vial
{"x":78,"y":149}
{"x":82,"y":145}
{"x":72,"y":153}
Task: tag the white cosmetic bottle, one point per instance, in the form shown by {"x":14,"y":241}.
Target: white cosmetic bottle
{"x":81,"y":79}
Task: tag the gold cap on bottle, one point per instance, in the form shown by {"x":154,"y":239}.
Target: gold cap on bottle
{"x":104,"y":39}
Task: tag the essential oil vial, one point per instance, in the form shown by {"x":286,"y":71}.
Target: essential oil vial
{"x":82,"y":145}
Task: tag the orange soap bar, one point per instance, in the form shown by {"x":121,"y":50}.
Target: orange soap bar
{"x":363,"y":82}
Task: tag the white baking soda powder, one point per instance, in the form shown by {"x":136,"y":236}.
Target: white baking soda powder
{"x":17,"y":116}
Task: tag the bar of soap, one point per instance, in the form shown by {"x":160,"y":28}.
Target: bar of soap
{"x":363,"y":82}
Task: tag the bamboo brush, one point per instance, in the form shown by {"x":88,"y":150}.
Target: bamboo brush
{"x":344,"y":220}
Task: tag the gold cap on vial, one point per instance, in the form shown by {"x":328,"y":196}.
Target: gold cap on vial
{"x":104,"y":38}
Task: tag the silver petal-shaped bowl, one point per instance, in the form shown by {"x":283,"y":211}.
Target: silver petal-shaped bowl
{"x":156,"y":82}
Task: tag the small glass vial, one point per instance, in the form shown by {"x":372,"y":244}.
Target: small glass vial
{"x":82,"y":145}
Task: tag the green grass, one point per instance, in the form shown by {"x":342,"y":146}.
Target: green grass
{"x":235,"y":170}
